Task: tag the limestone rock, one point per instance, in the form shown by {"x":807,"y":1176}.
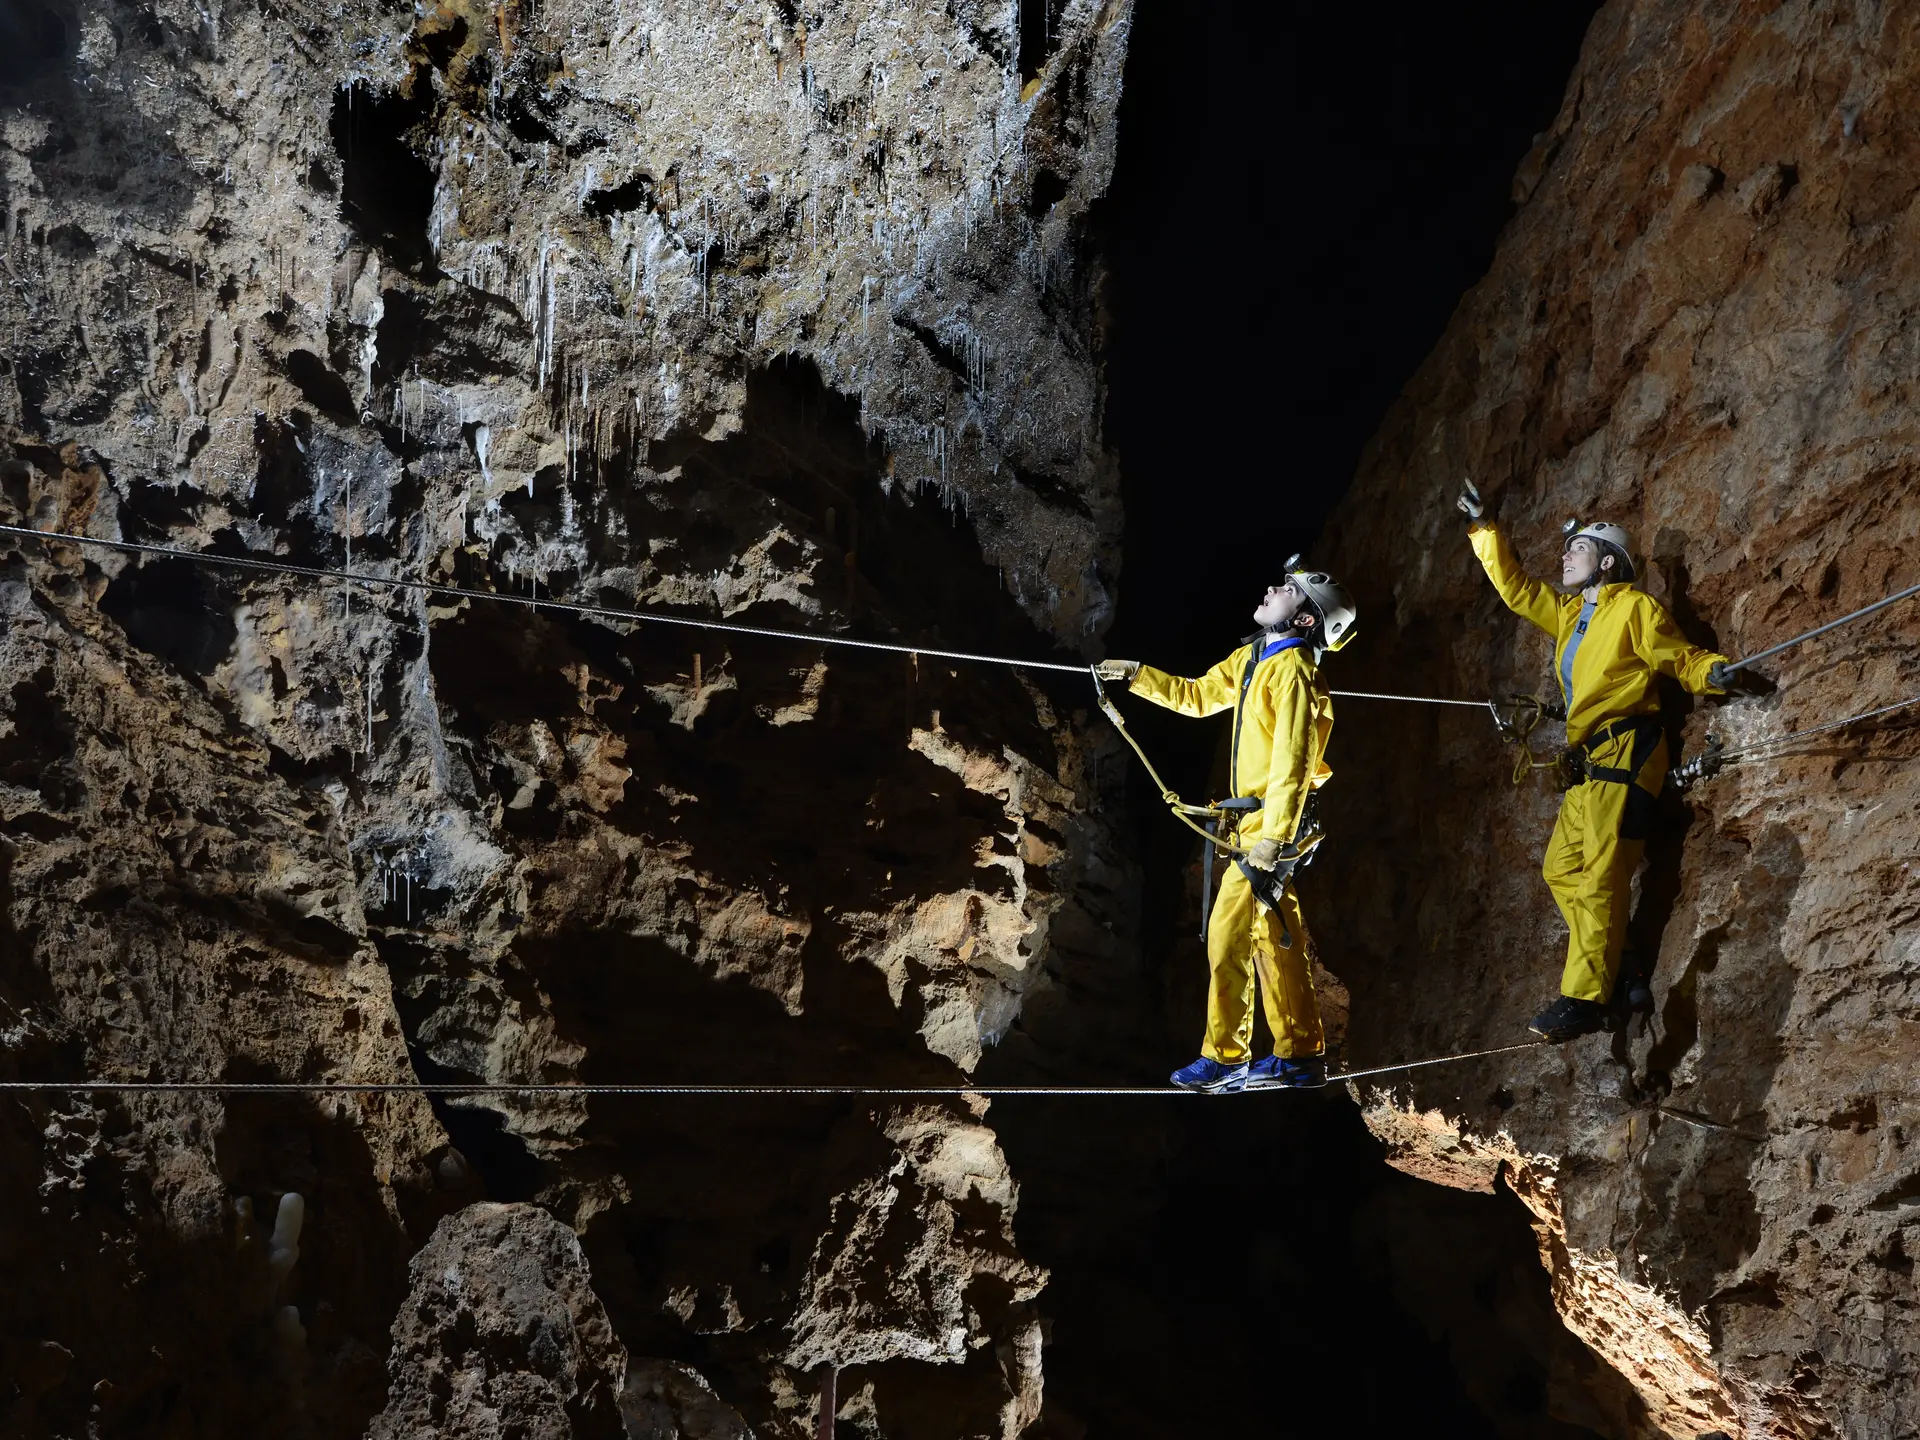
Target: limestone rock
{"x":1695,"y":326}
{"x":502,"y":1336}
{"x":783,"y":315}
{"x":665,"y":1401}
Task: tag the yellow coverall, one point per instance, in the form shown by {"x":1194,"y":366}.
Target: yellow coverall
{"x":1602,"y":830}
{"x":1281,"y":727}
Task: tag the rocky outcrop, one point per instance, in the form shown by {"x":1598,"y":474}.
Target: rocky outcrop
{"x":502,"y":1335}
{"x":782,"y":314}
{"x":1696,"y":325}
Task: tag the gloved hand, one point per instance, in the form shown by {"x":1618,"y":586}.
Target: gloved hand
{"x":1117,"y":669}
{"x":1720,"y":677}
{"x":1470,"y":504}
{"x":1264,"y":855}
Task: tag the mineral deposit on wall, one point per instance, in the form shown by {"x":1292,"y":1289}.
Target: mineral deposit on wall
{"x":779,"y":312}
{"x":1700,"y":324}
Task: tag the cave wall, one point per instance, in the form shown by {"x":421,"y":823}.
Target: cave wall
{"x":1699,"y":324}
{"x":785,"y":313}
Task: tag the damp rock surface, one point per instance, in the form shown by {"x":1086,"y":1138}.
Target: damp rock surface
{"x":501,"y":1334}
{"x":785,"y":315}
{"x":1696,"y":326}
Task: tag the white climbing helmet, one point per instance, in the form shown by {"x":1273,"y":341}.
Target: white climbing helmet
{"x":1611,"y":537}
{"x":1338,"y":613}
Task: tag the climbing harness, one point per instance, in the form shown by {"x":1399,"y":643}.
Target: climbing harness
{"x":1256,"y":652}
{"x":454,"y":1088}
{"x":1270,"y":886}
{"x":1209,"y":851}
{"x":1716,"y":756}
{"x":1210,"y":822}
{"x":1577,"y":760}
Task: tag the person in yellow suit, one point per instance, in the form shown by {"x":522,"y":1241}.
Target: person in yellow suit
{"x":1282,"y":716}
{"x":1611,"y":643}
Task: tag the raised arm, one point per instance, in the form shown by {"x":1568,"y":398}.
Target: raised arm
{"x":1525,"y":596}
{"x":1209,"y":695}
{"x":1658,"y":641}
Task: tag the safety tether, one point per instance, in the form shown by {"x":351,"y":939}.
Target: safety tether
{"x":454,"y":1088}
{"x":1517,"y":730}
{"x":1181,"y":810}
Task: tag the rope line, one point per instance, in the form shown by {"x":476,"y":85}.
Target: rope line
{"x":1757,"y":746}
{"x":572,"y":607}
{"x":1410,"y":699}
{"x":1437,"y":1060}
{"x":1177,"y":807}
{"x":1823,"y":629}
{"x":423,"y":1087}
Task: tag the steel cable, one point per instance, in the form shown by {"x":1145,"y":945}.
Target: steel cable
{"x":456,"y":592}
{"x":1865,"y":610}
{"x":572,"y":607}
{"x":1757,"y":746}
{"x":456,"y":1088}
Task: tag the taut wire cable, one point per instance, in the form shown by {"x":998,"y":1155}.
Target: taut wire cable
{"x":1864,"y":610}
{"x":1409,"y":699}
{"x":571,"y":607}
{"x":544,"y":1089}
{"x":1754,"y":747}
{"x":574,"y":607}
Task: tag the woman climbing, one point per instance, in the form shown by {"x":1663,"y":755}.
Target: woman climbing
{"x":1611,"y":642}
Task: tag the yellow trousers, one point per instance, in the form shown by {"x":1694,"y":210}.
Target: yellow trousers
{"x":1243,"y":941}
{"x":1596,"y":846}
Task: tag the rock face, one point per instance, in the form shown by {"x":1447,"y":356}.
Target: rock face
{"x":1697,"y":325}
{"x":502,"y":1335}
{"x":781,"y":313}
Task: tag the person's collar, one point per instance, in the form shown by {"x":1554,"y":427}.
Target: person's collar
{"x":1286,"y":635}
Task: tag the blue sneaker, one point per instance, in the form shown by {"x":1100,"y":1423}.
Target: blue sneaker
{"x":1276,"y":1072}
{"x":1211,"y":1076}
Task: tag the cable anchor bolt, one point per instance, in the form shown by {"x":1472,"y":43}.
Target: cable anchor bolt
{"x":1704,"y":766}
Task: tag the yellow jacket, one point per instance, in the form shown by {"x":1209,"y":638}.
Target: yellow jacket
{"x":1630,"y":639}
{"x":1283,"y":731}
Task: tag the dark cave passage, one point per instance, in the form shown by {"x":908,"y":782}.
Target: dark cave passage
{"x":1252,"y":1264}
{"x":866,"y":323}
{"x":1357,"y":163}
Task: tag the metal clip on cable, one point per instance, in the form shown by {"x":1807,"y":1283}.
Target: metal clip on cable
{"x":1516,"y":729}
{"x":1703,"y":766}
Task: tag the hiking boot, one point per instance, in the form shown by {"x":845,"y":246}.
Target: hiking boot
{"x":1279,"y":1072}
{"x":1567,"y":1018}
{"x":1211,"y":1076}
